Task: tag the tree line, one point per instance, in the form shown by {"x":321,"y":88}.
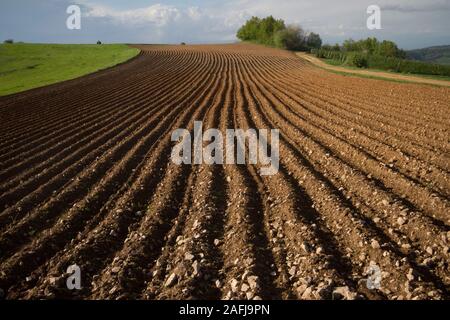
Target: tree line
{"x":370,"y":46}
{"x":372,"y":53}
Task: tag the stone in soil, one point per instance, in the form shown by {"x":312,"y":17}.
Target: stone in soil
{"x":171,"y":280}
{"x":340,"y":293}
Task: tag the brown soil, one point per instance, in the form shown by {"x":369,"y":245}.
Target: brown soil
{"x":86,"y":178}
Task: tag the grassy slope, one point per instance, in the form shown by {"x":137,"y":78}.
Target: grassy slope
{"x":27,"y":66}
{"x":436,"y":54}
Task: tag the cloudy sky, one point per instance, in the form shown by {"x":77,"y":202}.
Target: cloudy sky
{"x":411,"y":23}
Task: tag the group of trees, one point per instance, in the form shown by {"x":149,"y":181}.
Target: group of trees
{"x":370,"y":46}
{"x":274,"y":32}
{"x":360,"y":53}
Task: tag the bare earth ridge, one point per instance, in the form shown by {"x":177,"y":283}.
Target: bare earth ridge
{"x":86,"y":178}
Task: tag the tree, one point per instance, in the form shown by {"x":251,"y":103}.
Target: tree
{"x":249,"y":31}
{"x":260,"y":30}
{"x":291,"y":38}
{"x":370,"y":45}
{"x":349,"y":45}
{"x":9,"y":41}
{"x":313,"y":41}
{"x":390,"y":49}
{"x":268,"y":28}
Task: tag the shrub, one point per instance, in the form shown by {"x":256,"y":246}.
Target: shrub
{"x":357,"y":59}
{"x":99,"y":42}
{"x":8,"y":41}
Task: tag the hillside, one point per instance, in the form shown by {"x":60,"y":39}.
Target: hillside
{"x":437,"y":54}
{"x":25,"y":66}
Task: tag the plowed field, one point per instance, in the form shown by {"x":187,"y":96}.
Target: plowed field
{"x":86,"y":178}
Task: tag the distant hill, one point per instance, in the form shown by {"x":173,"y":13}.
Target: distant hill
{"x":437,"y":54}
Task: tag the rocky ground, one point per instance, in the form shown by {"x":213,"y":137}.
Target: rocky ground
{"x":86,"y":179}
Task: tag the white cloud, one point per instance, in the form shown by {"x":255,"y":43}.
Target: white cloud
{"x":171,"y":23}
{"x":194,"y":13}
{"x":157,"y":14}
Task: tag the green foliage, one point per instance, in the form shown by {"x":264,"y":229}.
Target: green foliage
{"x":27,"y":66}
{"x":376,"y":61}
{"x":324,"y":53}
{"x":349,"y":45}
{"x":336,"y":47}
{"x":372,"y":46}
{"x":384,"y":55}
{"x":249,"y":31}
{"x":357,"y":59}
{"x":290,"y":38}
{"x":273,"y":32}
{"x":389,"y":49}
{"x":407,"y":66}
{"x":260,"y":30}
{"x":8,"y":41}
{"x":313,"y":41}
{"x":328,"y":47}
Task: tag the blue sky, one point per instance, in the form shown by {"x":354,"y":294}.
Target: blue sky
{"x":411,"y":23}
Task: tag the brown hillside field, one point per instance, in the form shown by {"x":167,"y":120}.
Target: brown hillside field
{"x":86,"y":178}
